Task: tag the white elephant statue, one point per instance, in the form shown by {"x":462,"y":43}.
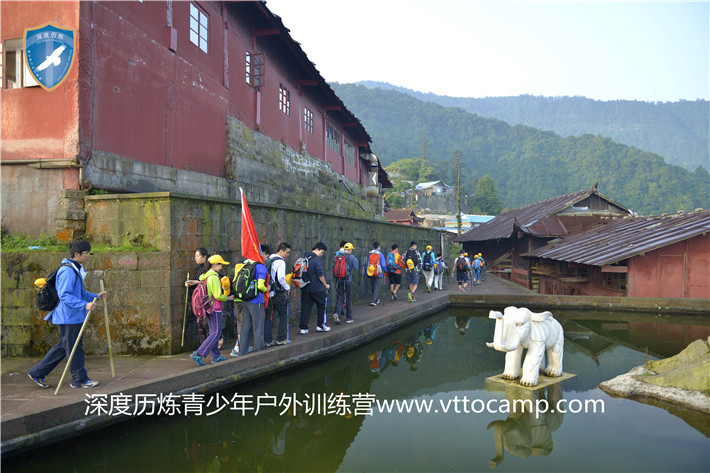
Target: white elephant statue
{"x":518,"y":328}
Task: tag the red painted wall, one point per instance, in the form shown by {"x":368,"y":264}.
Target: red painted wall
{"x":679,"y":270}
{"x":37,"y":124}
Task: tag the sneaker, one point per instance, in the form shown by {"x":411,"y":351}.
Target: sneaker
{"x":395,"y":296}
{"x":304,"y":331}
{"x":409,"y":296}
{"x":428,"y":289}
{"x":283,"y":342}
{"x":373,"y":304}
{"x":349,"y":321}
{"x":218,"y":359}
{"x":235,"y":352}
{"x":414,"y":299}
{"x":270,"y":344}
{"x":324,"y":328}
{"x":336,"y":319}
{"x":39,"y":381}
{"x":86,"y":384}
{"x":251,"y":349}
{"x":197,"y":359}
{"x":378,"y":301}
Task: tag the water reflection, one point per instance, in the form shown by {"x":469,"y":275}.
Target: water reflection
{"x":526,"y":431}
{"x":433,"y":360}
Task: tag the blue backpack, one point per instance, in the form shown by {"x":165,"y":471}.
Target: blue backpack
{"x":391,"y":263}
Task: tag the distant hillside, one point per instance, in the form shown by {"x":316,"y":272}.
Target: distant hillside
{"x":526,"y":164}
{"x":678,"y":131}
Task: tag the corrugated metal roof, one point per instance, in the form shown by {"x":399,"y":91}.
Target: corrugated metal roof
{"x":621,"y":239}
{"x":503,"y":225}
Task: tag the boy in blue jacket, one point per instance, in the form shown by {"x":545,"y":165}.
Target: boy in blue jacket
{"x":74,"y":303}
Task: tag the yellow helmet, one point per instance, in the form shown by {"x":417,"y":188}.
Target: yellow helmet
{"x":428,"y":247}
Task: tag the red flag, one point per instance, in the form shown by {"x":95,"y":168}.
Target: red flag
{"x":251,"y":247}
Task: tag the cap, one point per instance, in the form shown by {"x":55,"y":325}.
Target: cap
{"x":348,"y":246}
{"x":216,"y":259}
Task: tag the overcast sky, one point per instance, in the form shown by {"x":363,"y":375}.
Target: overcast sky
{"x":652,"y":51}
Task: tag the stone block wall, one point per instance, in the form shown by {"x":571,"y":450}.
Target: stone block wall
{"x":138,"y":307}
{"x":146,"y":289}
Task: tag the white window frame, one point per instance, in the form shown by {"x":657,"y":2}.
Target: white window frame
{"x":332,"y":137}
{"x":284,"y":100}
{"x":22,"y":75}
{"x":199,"y":27}
{"x":308,"y":120}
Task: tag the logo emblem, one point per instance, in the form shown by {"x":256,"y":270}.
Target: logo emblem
{"x":49,"y":54}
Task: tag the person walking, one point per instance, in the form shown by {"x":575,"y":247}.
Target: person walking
{"x":428,"y":265}
{"x":439,"y":272}
{"x":315,"y":291}
{"x":253,"y":310}
{"x":394,"y":270}
{"x":201,"y":256}
{"x":476,"y":270}
{"x":461,"y":269}
{"x":413,"y":264}
{"x":214,"y":320}
{"x":376,"y":268}
{"x":278,"y":301}
{"x":69,"y":315}
{"x":344,"y":285}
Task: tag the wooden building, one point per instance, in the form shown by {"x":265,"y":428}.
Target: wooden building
{"x":504,"y":240}
{"x":404,"y":217}
{"x":152,"y":100}
{"x":666,"y":256}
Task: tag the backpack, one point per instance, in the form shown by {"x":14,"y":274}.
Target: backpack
{"x":276,"y":285}
{"x":477,"y":264}
{"x":299,"y":274}
{"x":427,"y":261}
{"x":47,"y":298}
{"x":245,"y":283}
{"x":437,"y":267}
{"x":201,"y":300}
{"x":411,"y":258}
{"x":340,"y":268}
{"x":373,"y":264}
{"x":392,"y":265}
{"x":461,"y":265}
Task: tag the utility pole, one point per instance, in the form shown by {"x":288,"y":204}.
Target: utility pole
{"x":458,"y":193}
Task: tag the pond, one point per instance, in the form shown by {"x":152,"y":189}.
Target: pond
{"x":441,"y":367}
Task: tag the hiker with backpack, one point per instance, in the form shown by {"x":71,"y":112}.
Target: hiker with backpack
{"x":201,"y":256}
{"x":439,"y":271}
{"x":250,"y":284}
{"x":73,"y":302}
{"x":394,"y":270}
{"x":476,"y":269}
{"x":313,"y":287}
{"x":376,"y":268}
{"x":343,"y":268}
{"x":428,"y":266}
{"x":278,"y":300}
{"x":461,"y":269}
{"x":413,"y":264}
{"x":211,"y":285}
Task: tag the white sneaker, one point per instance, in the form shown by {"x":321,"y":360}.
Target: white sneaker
{"x":324,"y":328}
{"x":235,"y":352}
{"x":304,"y":331}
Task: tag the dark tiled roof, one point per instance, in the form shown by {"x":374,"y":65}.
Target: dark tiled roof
{"x":620,"y":239}
{"x":402,"y":215}
{"x":536,"y":216}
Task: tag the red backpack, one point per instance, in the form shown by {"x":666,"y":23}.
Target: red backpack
{"x":373,"y":264}
{"x":340,"y":269}
{"x":201,"y":305}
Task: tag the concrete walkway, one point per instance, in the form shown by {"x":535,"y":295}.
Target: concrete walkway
{"x":32,"y":416}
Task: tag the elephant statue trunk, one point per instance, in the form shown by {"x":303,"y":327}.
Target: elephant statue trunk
{"x":498,"y":334}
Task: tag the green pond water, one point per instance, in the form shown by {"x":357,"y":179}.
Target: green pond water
{"x":430,"y":361}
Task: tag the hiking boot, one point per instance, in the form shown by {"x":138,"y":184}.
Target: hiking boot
{"x":86,"y":384}
{"x":304,"y":331}
{"x":336,"y":319}
{"x":39,"y":381}
{"x":428,"y":289}
{"x":324,"y":328}
{"x":218,"y":359}
{"x":197,"y":359}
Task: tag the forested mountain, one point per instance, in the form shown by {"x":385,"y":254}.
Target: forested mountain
{"x":526,"y":164}
{"x":678,"y":131}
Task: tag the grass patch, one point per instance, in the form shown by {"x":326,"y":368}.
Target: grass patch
{"x":18,"y":242}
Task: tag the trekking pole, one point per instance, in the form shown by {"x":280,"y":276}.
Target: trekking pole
{"x":184,"y":315}
{"x":108,"y":333}
{"x":73,"y":350}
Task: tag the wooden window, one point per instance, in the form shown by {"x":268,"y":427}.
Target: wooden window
{"x":307,"y":120}
{"x":199,"y":22}
{"x":284,"y":100}
{"x":332,"y":137}
{"x":349,"y":153}
{"x":255,"y":69}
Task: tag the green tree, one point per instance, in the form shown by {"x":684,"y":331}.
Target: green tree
{"x":485,"y":200}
